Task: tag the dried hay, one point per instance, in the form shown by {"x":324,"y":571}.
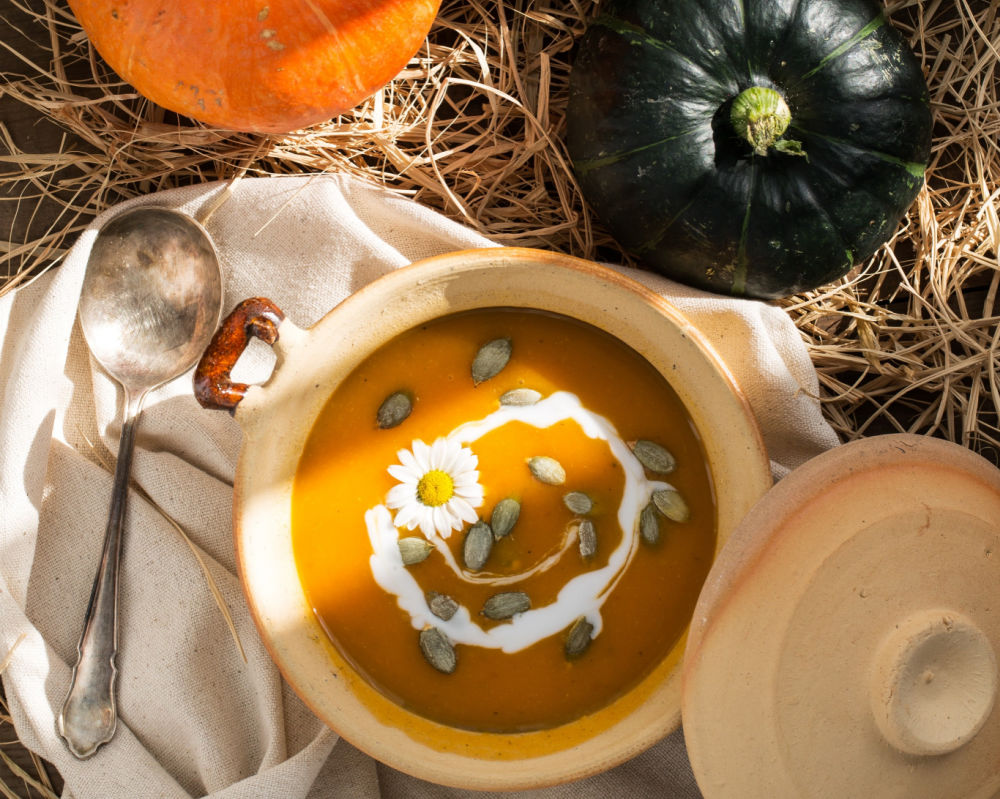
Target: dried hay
{"x":473,"y":127}
{"x":28,"y":771}
{"x":908,"y":344}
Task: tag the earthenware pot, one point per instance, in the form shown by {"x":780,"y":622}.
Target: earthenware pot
{"x":276,"y":418}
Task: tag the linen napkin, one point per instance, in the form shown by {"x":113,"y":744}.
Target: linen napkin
{"x":196,"y":719}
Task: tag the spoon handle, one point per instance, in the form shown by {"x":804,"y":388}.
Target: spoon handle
{"x":88,"y":716}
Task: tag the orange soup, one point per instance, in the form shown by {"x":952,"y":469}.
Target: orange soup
{"x":503,"y":519}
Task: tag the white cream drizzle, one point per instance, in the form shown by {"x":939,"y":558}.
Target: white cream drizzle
{"x":583,"y":595}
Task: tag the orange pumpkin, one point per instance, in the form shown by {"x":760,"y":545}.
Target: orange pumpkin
{"x":263,"y":66}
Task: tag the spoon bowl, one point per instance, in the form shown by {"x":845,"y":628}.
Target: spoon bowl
{"x":150,"y":301}
{"x":151,"y":296}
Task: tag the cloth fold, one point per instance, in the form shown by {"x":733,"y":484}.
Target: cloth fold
{"x":195,"y":718}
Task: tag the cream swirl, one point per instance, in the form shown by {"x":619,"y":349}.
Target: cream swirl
{"x":582,"y":595}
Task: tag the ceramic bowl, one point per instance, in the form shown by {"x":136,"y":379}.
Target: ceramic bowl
{"x":276,"y":418}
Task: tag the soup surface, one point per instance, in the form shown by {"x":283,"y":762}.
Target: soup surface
{"x":416,"y":468}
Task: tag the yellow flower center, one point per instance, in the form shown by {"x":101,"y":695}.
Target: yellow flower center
{"x":435,"y":488}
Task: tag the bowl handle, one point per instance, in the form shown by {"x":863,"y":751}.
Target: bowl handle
{"x":213,"y":387}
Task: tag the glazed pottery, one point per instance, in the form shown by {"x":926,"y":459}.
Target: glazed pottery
{"x":276,"y":418}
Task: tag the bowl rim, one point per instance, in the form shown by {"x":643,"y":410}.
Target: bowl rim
{"x":590,"y":745}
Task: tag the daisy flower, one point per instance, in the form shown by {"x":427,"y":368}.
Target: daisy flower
{"x":438,"y":487}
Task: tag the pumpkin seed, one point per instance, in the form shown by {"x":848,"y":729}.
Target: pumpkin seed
{"x":671,"y":504}
{"x":491,"y":359}
{"x":441,"y":605}
{"x":520,"y":396}
{"x":547,"y":470}
{"x":649,"y":524}
{"x":504,"y":517}
{"x":588,"y":538}
{"x":506,"y":604}
{"x":394,"y":410}
{"x":437,"y":650}
{"x":414,"y":549}
{"x":477,"y":546}
{"x":578,"y":638}
{"x":578,"y":502}
{"x":654,"y":457}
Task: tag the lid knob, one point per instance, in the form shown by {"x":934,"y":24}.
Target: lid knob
{"x":934,"y":683}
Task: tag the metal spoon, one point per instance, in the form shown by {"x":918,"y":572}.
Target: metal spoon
{"x":151,"y":299}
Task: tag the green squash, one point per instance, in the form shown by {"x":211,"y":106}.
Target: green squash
{"x":748,"y":147}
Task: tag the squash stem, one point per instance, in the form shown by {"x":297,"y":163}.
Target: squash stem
{"x":760,"y":115}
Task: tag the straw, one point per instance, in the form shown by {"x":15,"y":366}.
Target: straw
{"x":473,"y":127}
{"x":908,"y":344}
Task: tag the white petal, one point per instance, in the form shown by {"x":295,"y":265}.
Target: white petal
{"x":463,"y":510}
{"x":412,"y":513}
{"x":408,"y":516}
{"x":409,"y":462}
{"x":427,"y":523}
{"x":467,"y":460}
{"x":400,"y":495}
{"x":442,"y":519}
{"x":456,"y":522}
{"x":448,"y":461}
{"x":421,"y":454}
{"x":473,"y":494}
{"x":440,"y":454}
{"x":404,"y":474}
{"x":466,"y":480}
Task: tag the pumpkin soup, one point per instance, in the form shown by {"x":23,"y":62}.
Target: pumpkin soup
{"x":503,"y":519}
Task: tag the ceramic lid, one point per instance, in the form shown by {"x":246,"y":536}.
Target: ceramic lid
{"x":845,"y":641}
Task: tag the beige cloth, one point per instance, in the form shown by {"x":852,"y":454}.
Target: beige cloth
{"x":195,"y":719}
